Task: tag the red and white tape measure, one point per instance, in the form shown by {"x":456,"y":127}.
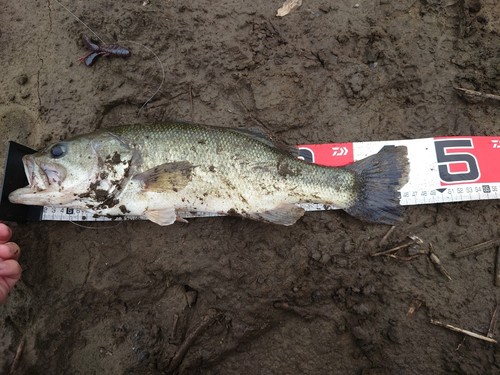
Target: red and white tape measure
{"x":442,"y":169}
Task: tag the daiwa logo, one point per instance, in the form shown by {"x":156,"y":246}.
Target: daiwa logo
{"x":496,"y":143}
{"x":340,"y":151}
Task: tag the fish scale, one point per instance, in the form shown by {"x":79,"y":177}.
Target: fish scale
{"x":236,"y":157}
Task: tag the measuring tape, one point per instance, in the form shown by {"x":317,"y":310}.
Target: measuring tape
{"x":442,"y":170}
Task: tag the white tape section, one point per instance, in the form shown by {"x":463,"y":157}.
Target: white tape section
{"x":442,"y":169}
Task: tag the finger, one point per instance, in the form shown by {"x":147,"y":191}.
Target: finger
{"x":10,"y":271}
{"x":9,"y":250}
{"x":5,"y":233}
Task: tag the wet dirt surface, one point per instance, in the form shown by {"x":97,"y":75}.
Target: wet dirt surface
{"x":225,"y":295}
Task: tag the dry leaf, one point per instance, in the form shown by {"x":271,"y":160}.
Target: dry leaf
{"x":288,"y":6}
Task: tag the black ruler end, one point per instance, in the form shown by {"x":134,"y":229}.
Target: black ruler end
{"x":15,"y":178}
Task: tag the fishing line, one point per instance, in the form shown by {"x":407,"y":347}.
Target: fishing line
{"x":162,"y":72}
{"x":88,"y":227}
{"x":79,"y":20}
{"x":126,"y":41}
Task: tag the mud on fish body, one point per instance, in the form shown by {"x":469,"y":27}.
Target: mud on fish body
{"x":166,"y":171}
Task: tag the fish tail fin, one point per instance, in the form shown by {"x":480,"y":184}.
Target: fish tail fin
{"x":378,"y":179}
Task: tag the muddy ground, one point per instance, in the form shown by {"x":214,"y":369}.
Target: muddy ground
{"x":237,"y":296}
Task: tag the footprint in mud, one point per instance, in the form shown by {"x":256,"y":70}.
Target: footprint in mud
{"x":18,"y":124}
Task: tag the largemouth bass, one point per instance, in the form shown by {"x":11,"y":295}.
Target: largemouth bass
{"x":166,"y":171}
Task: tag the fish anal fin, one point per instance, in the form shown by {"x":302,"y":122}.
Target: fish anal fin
{"x":166,"y":177}
{"x":285,"y":214}
{"x":164,"y":216}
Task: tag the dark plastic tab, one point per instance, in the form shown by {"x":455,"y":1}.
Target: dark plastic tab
{"x":15,"y":178}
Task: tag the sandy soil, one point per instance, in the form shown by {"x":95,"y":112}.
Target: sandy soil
{"x":224,"y":295}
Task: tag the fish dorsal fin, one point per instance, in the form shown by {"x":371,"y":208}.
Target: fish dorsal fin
{"x":266,"y":137}
{"x":166,"y":177}
{"x":258,"y":134}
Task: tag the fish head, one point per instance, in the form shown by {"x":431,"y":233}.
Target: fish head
{"x":64,"y":172}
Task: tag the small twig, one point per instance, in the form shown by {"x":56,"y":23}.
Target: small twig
{"x":493,"y":322}
{"x":474,"y":249}
{"x":179,"y":355}
{"x":477,"y":93}
{"x":412,"y":240}
{"x":300,"y":311}
{"x":461,"y":343}
{"x":416,"y":239}
{"x":17,"y":357}
{"x":174,"y":327}
{"x":464,"y":331}
{"x":403,"y":258}
{"x":393,"y":250}
{"x":437,"y":262}
{"x":389,"y":251}
{"x":414,"y":306}
{"x":383,"y":241}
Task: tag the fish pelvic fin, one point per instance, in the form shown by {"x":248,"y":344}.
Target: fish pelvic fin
{"x":379,"y":178}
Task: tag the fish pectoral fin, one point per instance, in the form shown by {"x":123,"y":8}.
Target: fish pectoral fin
{"x":164,"y":216}
{"x":285,"y":214}
{"x":166,"y":177}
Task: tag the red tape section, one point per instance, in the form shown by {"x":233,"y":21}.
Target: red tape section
{"x":329,"y":154}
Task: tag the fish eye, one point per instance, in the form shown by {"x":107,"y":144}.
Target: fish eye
{"x":58,"y":151}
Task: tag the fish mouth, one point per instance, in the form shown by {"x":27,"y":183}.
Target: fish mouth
{"x":43,"y":176}
{"x":44,"y":183}
{"x":37,"y":180}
